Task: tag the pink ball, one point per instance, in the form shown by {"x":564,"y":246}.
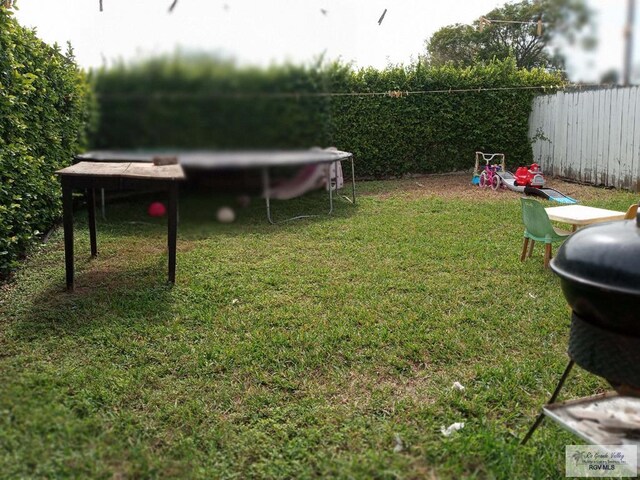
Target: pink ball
{"x":156,"y":209}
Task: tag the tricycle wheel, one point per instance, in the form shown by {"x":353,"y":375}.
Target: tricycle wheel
{"x":484,"y":180}
{"x":495,"y":182}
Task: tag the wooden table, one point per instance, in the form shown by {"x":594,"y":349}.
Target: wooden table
{"x":90,"y":176}
{"x":580,"y":215}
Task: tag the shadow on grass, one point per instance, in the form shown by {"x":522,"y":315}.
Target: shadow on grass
{"x":103,"y":297}
{"x":127,"y":283}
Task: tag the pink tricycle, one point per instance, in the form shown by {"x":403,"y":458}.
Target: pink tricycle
{"x":488,"y":177}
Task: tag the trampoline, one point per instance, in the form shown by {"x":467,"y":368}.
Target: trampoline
{"x":210,"y":161}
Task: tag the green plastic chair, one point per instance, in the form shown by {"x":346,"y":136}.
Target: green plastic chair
{"x":538,"y":228}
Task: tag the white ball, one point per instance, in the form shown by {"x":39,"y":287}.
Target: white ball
{"x":225,"y":215}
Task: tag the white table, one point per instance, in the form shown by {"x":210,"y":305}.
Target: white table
{"x":580,"y":215}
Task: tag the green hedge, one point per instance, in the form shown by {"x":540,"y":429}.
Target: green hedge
{"x":440,"y":131}
{"x":196,"y":102}
{"x":45,"y":109}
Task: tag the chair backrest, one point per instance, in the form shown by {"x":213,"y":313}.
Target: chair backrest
{"x":631,"y":212}
{"x":535,"y":219}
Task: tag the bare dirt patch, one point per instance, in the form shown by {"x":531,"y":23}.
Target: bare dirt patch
{"x":459,"y":186}
{"x":359,"y":388}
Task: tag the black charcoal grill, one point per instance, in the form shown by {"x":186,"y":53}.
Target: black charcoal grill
{"x":599,"y":268}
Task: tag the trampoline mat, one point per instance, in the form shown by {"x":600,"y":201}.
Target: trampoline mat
{"x":216,"y":160}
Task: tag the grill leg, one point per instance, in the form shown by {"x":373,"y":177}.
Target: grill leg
{"x":538,"y":421}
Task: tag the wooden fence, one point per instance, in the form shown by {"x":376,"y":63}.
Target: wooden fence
{"x":589,"y":136}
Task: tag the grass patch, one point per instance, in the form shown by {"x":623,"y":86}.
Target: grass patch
{"x":295,"y":351}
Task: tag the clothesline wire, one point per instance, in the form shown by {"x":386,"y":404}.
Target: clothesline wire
{"x":388,"y":93}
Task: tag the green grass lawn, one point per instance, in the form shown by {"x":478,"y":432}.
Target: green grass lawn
{"x":324,"y":347}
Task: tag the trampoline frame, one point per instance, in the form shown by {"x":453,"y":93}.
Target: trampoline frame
{"x":191,"y":160}
{"x":266,"y":187}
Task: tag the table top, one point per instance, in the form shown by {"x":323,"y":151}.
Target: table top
{"x":582,"y":215}
{"x":211,"y":159}
{"x":146,"y":171}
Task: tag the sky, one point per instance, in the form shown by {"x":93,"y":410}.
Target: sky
{"x":274,"y":31}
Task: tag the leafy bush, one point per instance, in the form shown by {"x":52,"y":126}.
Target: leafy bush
{"x":45,"y":108}
{"x":439,"y":131}
{"x":199,"y":102}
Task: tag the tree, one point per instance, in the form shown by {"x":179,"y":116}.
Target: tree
{"x":513,"y":29}
{"x":458,"y":44}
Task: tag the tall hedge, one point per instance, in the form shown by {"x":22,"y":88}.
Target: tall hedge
{"x":447,"y":115}
{"x":45,"y":109}
{"x":196,"y":102}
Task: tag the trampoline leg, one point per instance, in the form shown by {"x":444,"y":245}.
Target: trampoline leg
{"x":329,"y":184}
{"x":267,"y":196}
{"x":352,"y":200}
{"x":267,"y":192}
{"x":353,"y":181}
{"x":540,"y":418}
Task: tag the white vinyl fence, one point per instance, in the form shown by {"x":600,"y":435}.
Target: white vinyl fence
{"x":589,"y":136}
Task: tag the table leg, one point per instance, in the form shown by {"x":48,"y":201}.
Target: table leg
{"x":67,"y":222}
{"x":172,"y":234}
{"x":102,"y":206}
{"x":91,"y":207}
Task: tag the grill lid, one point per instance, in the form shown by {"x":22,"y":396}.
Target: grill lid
{"x":604,"y":256}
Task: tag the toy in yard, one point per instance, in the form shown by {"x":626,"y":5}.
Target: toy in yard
{"x":156,"y":209}
{"x":529,"y":176}
{"x":525,"y":177}
{"x":487,"y":177}
{"x":225,"y":215}
{"x":528,"y":180}
{"x":534,"y":184}
{"x":243,"y":200}
{"x":549,"y":194}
